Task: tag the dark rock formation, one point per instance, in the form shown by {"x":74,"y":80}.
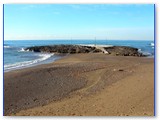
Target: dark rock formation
{"x":72,"y":49}
{"x":63,"y":49}
{"x":123,"y":51}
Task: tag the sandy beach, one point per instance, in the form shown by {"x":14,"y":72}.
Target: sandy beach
{"x":92,"y":84}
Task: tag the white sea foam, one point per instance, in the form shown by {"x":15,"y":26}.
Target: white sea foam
{"x":139,"y":50}
{"x":147,"y":53}
{"x":144,"y":53}
{"x":27,"y":63}
{"x":6,"y":46}
{"x":152,"y":44}
{"x":23,"y":50}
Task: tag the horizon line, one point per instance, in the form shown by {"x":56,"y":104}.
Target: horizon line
{"x":75,"y":39}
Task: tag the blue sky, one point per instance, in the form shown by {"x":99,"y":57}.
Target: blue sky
{"x":79,"y":21}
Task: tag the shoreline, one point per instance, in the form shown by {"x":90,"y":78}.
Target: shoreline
{"x":82,"y":74}
{"x":60,"y":50}
{"x":51,"y":59}
{"x":61,"y":56}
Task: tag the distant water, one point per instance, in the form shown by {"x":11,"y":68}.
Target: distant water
{"x":15,"y":57}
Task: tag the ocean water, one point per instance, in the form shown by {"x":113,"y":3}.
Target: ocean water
{"x":15,"y":57}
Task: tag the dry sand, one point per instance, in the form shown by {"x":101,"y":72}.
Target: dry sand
{"x":83,"y":85}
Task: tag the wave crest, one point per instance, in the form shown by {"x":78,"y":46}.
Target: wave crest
{"x":6,"y":46}
{"x":27,"y":63}
{"x":23,"y":50}
{"x":152,"y":44}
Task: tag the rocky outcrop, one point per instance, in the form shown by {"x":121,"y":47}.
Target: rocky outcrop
{"x":73,"y":49}
{"x":64,"y":49}
{"x":123,"y":51}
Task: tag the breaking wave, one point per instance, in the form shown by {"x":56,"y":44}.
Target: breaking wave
{"x":152,"y":44}
{"x":23,"y":50}
{"x":6,"y":46}
{"x":27,"y":63}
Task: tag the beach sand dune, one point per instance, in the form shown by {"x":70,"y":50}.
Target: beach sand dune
{"x":82,"y":85}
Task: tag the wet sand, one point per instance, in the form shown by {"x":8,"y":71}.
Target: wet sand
{"x":82,"y":85}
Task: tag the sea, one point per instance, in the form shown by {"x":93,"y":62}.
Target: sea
{"x":15,"y":57}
